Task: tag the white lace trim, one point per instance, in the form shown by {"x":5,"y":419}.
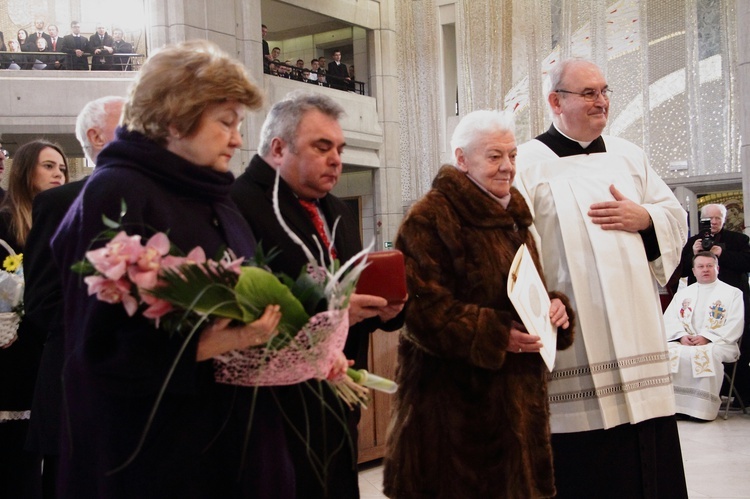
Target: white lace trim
{"x":14,"y":415}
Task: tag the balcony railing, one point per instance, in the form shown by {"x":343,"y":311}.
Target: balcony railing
{"x":61,"y":60}
{"x":323,"y":79}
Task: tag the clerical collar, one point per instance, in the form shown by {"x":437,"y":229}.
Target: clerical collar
{"x":707,"y":287}
{"x":564,"y":146}
{"x":502,"y":200}
{"x":580,"y":143}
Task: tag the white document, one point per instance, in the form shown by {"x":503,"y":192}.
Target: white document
{"x":529,"y":297}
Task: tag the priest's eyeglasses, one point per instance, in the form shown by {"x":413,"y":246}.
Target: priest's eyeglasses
{"x":589,"y":95}
{"x":5,"y":153}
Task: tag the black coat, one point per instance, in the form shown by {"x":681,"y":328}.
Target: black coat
{"x":43,"y":307}
{"x":103,"y":60}
{"x":72,"y":43}
{"x":120,"y":63}
{"x":337,"y":76}
{"x":31,"y":41}
{"x":734,"y":262}
{"x":253,"y":193}
{"x":18,"y":362}
{"x":115,"y":365}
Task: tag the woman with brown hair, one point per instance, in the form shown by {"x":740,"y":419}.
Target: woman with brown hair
{"x":37,"y":166}
{"x":169,"y":164}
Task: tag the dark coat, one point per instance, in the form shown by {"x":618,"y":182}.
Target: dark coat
{"x":43,"y":313}
{"x":19,"y":470}
{"x":72,"y":43}
{"x":253,"y":192}
{"x":120,"y":63}
{"x":18,"y":362}
{"x":115,"y":365}
{"x":734,"y":262}
{"x":337,"y":76}
{"x":469,"y":419}
{"x":102,"y":61}
{"x":32,"y":38}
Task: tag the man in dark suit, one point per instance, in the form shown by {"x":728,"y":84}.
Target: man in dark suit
{"x":733,"y":251}
{"x":101,"y":44}
{"x":120,"y":46}
{"x":56,"y":45}
{"x":35,"y":35}
{"x":337,"y":74}
{"x":43,"y":307}
{"x":303,"y":140}
{"x":76,"y":46}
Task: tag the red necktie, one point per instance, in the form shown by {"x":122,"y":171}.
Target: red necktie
{"x":312,"y":211}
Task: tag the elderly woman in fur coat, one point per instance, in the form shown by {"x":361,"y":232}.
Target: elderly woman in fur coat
{"x":471,"y":415}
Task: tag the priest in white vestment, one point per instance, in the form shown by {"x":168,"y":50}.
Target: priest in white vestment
{"x":609,"y":230}
{"x":703,"y":323}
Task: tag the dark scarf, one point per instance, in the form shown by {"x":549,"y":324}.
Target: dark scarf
{"x":173,"y":173}
{"x":563,"y":146}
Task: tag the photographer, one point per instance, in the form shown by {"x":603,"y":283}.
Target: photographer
{"x":733,"y":251}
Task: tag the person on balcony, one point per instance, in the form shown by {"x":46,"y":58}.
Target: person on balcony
{"x":77,"y":47}
{"x":120,"y":46}
{"x":101,"y":44}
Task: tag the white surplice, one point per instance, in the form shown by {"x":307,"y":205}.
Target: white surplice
{"x":618,"y":368}
{"x":715,"y":311}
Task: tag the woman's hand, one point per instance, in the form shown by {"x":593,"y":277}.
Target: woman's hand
{"x":339,"y":367}
{"x":522,"y":342}
{"x":557,"y":314}
{"x":219,"y":338}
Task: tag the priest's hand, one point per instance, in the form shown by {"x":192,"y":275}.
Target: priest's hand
{"x":557,"y":314}
{"x":620,"y":214}
{"x":694,"y":341}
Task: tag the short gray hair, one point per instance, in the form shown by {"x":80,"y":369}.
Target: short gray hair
{"x":720,"y":207}
{"x":285,"y":116}
{"x":479,"y":123}
{"x":93,"y":115}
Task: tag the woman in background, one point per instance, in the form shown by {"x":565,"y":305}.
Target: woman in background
{"x":36,"y":167}
{"x":14,"y":58}
{"x":22,"y":37}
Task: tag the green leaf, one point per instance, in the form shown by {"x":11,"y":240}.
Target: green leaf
{"x":108,"y":222}
{"x":83,"y":267}
{"x":309,"y":292}
{"x":204,"y":290}
{"x":258,"y":288}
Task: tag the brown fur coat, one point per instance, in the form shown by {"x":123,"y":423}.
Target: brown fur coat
{"x":470,"y":419}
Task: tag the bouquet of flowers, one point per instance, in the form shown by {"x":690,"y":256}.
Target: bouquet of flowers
{"x":180,"y":293}
{"x":11,"y":295}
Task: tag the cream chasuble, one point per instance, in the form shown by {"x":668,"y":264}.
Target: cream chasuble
{"x":618,"y":368}
{"x":715,"y":311}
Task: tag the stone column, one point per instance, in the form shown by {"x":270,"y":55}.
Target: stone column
{"x":743,"y":98}
{"x":234,"y":25}
{"x":383,"y":83}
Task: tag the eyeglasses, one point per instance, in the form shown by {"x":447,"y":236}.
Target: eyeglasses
{"x":589,"y":95}
{"x":5,"y":153}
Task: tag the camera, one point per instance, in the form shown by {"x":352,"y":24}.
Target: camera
{"x":704,"y":228}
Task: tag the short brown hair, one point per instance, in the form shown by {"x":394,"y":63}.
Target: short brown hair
{"x":179,"y":82}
